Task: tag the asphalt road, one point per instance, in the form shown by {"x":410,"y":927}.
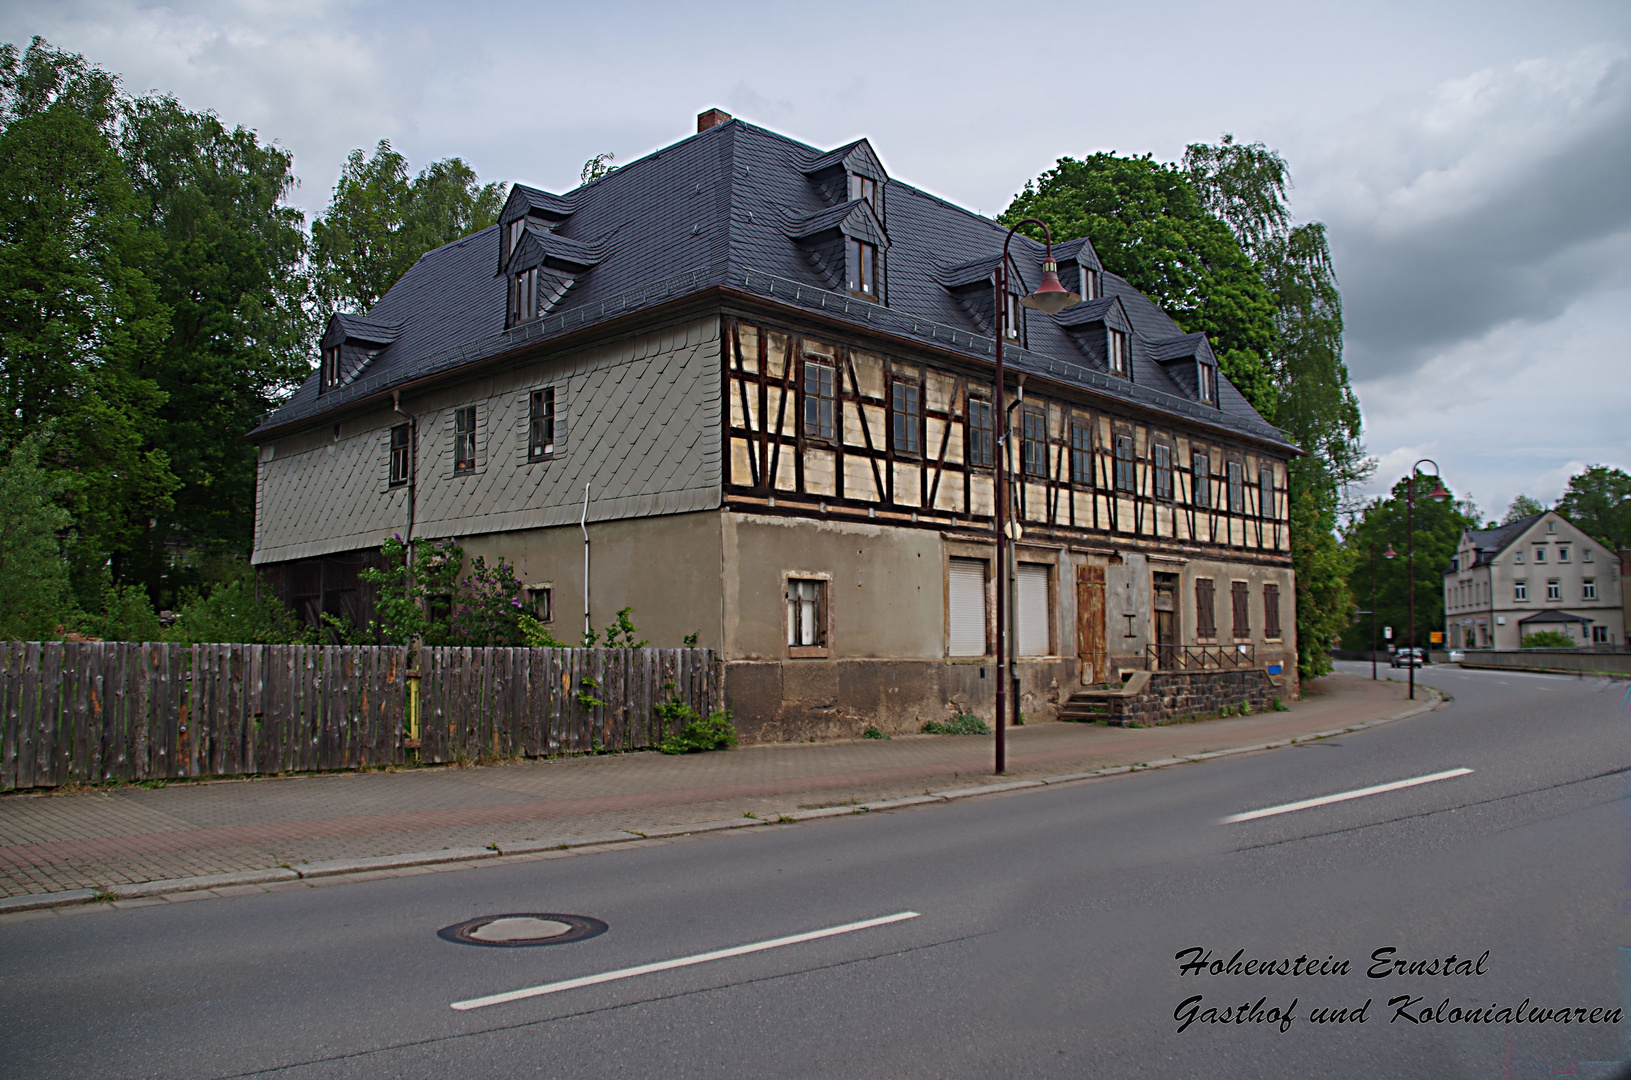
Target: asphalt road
{"x":1045,"y":943}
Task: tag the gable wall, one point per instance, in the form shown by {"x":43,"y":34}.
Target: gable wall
{"x":641,"y":428}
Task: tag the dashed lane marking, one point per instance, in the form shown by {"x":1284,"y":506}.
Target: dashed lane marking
{"x":1323,"y":800}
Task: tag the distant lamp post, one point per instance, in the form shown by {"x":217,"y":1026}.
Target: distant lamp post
{"x":1438,"y":495}
{"x":1049,"y":297}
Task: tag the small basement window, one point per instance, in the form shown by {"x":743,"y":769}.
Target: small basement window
{"x":541,"y":599}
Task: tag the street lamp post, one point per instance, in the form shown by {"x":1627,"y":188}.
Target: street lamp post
{"x":1438,"y":494}
{"x":1049,"y":297}
{"x":1373,"y":610}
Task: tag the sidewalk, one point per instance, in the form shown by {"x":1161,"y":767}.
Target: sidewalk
{"x":110,"y":840}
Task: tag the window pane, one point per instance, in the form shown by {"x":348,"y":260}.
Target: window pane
{"x":819,"y":416}
{"x":907,"y":400}
{"x":981,"y":433}
{"x":1200,"y":492}
{"x":541,"y":437}
{"x":1035,"y":458}
{"x":1163,"y":471}
{"x":1081,"y":454}
{"x":1124,"y":462}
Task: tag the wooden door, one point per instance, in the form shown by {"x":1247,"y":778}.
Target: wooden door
{"x":1090,"y":626}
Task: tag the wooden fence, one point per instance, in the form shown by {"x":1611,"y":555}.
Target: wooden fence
{"x":104,"y":712}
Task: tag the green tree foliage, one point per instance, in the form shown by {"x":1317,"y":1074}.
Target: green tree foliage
{"x":1438,"y":528}
{"x":79,"y":318}
{"x":1150,"y":226}
{"x":126,"y":615}
{"x":1212,"y":243}
{"x":34,"y":596}
{"x":226,"y":260}
{"x":1523,"y":506}
{"x":380,"y":222}
{"x":232,"y":612}
{"x":1598,"y":502}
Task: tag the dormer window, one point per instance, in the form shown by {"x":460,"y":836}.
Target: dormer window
{"x":1010,"y":315}
{"x":1117,"y":352}
{"x":863,"y":187}
{"x":863,"y":269}
{"x":524,"y":296}
{"x":1206,"y":382}
{"x":331,"y":367}
{"x":518,"y":228}
{"x":1090,"y":284}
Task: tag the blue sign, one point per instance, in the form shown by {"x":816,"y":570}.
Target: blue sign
{"x":1274,"y":669}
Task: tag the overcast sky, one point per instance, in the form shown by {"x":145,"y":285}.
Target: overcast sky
{"x":1472,"y":160}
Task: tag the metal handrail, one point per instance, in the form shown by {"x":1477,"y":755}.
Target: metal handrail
{"x":1199,"y":657}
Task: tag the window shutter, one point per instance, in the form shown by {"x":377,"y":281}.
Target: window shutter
{"x":1271,"y":611}
{"x":561,"y":398}
{"x":1241,"y":617}
{"x":1206,"y":621}
{"x":1032,"y":617}
{"x":965,"y":597}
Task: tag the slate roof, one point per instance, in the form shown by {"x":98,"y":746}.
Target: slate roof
{"x":713,"y":210}
{"x":1554,"y":617}
{"x":1489,"y":543}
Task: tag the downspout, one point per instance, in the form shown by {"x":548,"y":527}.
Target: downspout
{"x":583,"y":523}
{"x":414,"y":647}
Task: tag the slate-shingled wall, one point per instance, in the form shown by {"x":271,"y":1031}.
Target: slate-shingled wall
{"x":641,"y":427}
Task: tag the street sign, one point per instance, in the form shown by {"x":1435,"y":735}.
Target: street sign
{"x":1387,"y":632}
{"x":1436,"y":637}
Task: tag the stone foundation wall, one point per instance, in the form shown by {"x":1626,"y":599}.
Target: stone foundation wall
{"x":795,"y":700}
{"x":1179,"y":695}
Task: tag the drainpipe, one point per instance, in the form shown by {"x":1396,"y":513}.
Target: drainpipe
{"x":413,"y":464}
{"x":583,"y":523}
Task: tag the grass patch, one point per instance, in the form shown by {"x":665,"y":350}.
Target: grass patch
{"x":961,"y":724}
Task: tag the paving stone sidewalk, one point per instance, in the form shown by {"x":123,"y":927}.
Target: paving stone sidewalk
{"x":105,"y":839}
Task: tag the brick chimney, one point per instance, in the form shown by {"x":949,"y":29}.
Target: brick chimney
{"x":711,"y":118}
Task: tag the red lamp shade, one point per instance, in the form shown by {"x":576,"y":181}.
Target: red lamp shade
{"x":1050,"y":296}
{"x":1390,"y":553}
{"x":1438,"y":494}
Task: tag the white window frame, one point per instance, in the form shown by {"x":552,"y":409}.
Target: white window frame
{"x":1520,"y":591}
{"x":1116,"y":352}
{"x":1588,"y":589}
{"x":1554,"y":589}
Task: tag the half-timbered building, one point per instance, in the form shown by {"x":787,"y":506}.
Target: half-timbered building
{"x":746,"y":388}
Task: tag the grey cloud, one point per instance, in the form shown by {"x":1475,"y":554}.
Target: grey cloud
{"x":1503,"y":203}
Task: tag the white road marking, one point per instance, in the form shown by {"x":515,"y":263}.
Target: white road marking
{"x":684,"y":961}
{"x":1287,"y":808}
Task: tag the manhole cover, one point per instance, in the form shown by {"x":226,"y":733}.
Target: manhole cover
{"x":524,"y":928}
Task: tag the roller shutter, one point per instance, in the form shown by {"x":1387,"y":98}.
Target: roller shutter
{"x":1031,"y":622}
{"x":966,"y":607}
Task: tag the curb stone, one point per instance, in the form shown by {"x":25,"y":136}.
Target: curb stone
{"x":74,"y":898}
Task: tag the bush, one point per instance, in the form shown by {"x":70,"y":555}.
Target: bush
{"x":1547,"y":639}
{"x":127,"y":615}
{"x":34,"y":596}
{"x":963,"y":724}
{"x":713,"y":733}
{"x":233,"y":613}
{"x":872,"y":732}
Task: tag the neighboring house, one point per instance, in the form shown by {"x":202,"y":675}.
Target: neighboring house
{"x":1538,"y":573}
{"x":762,"y":375}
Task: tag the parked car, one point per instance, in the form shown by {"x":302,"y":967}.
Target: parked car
{"x":1410,"y":657}
{"x":1456,"y":656}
